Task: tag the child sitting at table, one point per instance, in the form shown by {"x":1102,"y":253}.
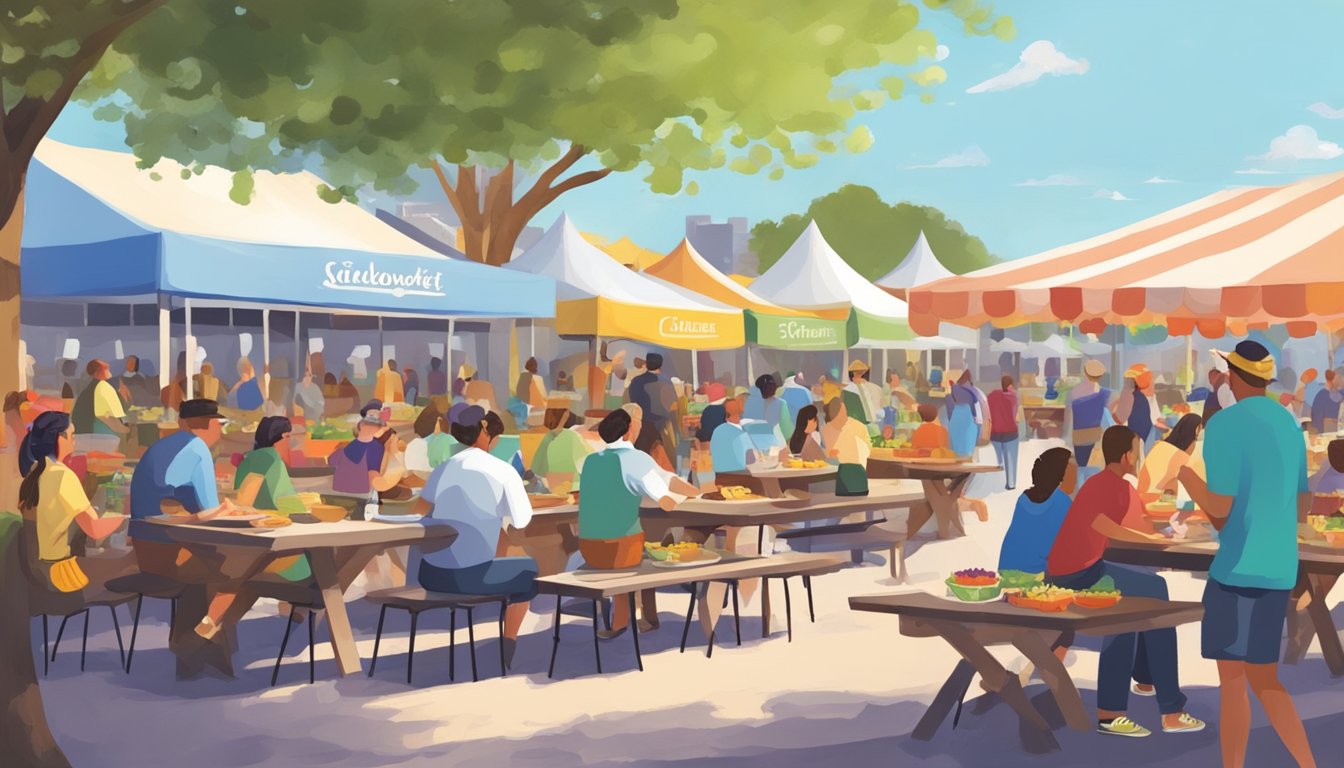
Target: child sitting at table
{"x":930,"y":434}
{"x":1039,"y":513}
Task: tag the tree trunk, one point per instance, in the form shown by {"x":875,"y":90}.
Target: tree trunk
{"x":10,"y":237}
{"x":25,"y":739}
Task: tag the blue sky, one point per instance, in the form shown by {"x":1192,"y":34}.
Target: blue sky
{"x":1189,"y":91}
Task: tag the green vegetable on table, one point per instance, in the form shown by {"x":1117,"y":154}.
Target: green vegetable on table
{"x":1020,"y":579}
{"x":1105,"y":586}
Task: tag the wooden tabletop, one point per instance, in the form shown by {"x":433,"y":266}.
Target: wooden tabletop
{"x":816,"y":475}
{"x":299,"y":537}
{"x":1198,"y":556}
{"x":1130,"y":614}
{"x":894,"y":468}
{"x":597,"y":584}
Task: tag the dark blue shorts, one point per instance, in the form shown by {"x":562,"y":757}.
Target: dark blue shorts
{"x":514,"y":577}
{"x":1243,"y":624}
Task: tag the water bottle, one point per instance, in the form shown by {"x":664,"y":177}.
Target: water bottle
{"x":371,"y":507}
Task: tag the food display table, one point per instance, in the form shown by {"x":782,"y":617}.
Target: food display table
{"x":1319,"y":568}
{"x":944,"y":484}
{"x":337,"y":552}
{"x":598,"y":585}
{"x":971,"y":628}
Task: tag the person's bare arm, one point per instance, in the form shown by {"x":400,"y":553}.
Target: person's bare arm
{"x":677,"y":485}
{"x":96,"y":527}
{"x":422,"y":506}
{"x":1117,"y":532}
{"x":1214,"y":505}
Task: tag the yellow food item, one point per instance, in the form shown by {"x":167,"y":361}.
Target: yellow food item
{"x":796,"y":464}
{"x":1047,"y":592}
{"x":271,"y":521}
{"x":732,"y":492}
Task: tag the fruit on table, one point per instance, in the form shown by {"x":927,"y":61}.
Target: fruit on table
{"x":680,"y":552}
{"x":976,"y":577}
{"x":735,"y":492}
{"x":1048,"y":592}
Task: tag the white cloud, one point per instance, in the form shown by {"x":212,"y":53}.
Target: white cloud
{"x":1255,"y":172}
{"x":1327,"y":111}
{"x":1037,"y":60}
{"x":1301,"y":142}
{"x":941,"y":53}
{"x":1053,"y":180}
{"x":1110,"y":194}
{"x":1160,"y":180}
{"x":970,"y":157}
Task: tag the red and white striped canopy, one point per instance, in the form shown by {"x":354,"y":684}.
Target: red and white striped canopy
{"x":1236,"y":259}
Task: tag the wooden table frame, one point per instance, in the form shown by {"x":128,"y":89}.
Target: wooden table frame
{"x":774,"y":481}
{"x":337,"y":553}
{"x":944,"y":485}
{"x":1319,"y":568}
{"x":598,"y":585}
{"x":971,"y":628}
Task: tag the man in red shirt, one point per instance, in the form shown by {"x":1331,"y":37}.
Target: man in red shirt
{"x":1076,"y":562}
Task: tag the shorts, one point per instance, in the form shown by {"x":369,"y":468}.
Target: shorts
{"x":1243,"y":624}
{"x":512,"y":577}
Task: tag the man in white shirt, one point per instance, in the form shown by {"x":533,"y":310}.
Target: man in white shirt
{"x":479,"y":495}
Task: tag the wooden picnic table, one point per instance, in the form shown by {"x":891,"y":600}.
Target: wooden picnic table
{"x":971,"y":628}
{"x":598,"y":585}
{"x":551,"y":538}
{"x":1319,"y":569}
{"x":337,"y":552}
{"x":774,"y":481}
{"x":944,"y":484}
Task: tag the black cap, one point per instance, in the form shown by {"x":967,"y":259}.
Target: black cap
{"x":470,"y":416}
{"x":200,"y":408}
{"x":1252,"y":350}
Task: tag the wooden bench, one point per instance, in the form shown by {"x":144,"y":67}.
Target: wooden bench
{"x":971,"y":628}
{"x":599,"y":585}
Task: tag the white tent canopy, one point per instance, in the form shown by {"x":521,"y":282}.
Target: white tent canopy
{"x":1008,"y":345}
{"x":1054,"y":346}
{"x":919,"y":267}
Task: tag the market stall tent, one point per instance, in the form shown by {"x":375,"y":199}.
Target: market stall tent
{"x":1230,"y":261}
{"x":919,"y":267}
{"x":598,"y":297}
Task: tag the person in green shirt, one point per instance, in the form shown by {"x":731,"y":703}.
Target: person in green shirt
{"x":561,"y":453}
{"x":615,"y":480}
{"x":262,"y":478}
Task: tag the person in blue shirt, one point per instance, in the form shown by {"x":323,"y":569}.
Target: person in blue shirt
{"x":1325,"y":405}
{"x":247,"y":392}
{"x":1039,"y":513}
{"x":1256,"y":495}
{"x":730,"y":447}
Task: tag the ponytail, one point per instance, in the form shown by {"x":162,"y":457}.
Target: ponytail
{"x":39,"y":448}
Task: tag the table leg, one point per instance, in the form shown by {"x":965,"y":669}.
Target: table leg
{"x":765,"y":608}
{"x":193,"y":652}
{"x":1052,"y":671}
{"x":1034,"y":730}
{"x":1300,"y":628}
{"x":550,"y":547}
{"x":328,"y":578}
{"x":920,"y":513}
{"x":1318,"y":586}
{"x":952,"y":692}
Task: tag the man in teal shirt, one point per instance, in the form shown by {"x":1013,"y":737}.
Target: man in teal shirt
{"x":730,"y":447}
{"x":1256,"y":495}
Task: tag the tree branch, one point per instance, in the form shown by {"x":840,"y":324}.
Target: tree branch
{"x":469,"y":195}
{"x":571,"y":156}
{"x":579,"y":180}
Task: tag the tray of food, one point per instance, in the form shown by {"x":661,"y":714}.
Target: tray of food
{"x":736,"y":493}
{"x":801,"y":464}
{"x":1103,"y":594}
{"x":974,"y":585}
{"x":1045,"y":598}
{"x":680,"y":555}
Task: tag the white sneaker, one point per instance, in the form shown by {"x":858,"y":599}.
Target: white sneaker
{"x":1188,"y":724}
{"x":782,"y":546}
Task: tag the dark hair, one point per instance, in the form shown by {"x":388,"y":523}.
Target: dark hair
{"x":768,"y":386}
{"x":928,"y":412}
{"x":556,"y":418}
{"x":391,"y":364}
{"x":799,"y":438}
{"x":1047,"y":473}
{"x":614,"y":426}
{"x":424,"y":423}
{"x":269,"y":431}
{"x":531,"y":365}
{"x":1252,"y":381}
{"x":1006,"y":382}
{"x":372,"y":405}
{"x":1335,"y":451}
{"x":329,"y":379}
{"x":39,"y":447}
{"x":95,"y":365}
{"x":654,"y":362}
{"x":14,"y":400}
{"x":1116,"y":442}
{"x":1186,"y":430}
{"x":468,"y":434}
{"x":435,"y":363}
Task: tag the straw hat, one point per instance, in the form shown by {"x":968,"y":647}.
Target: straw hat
{"x":465,"y":371}
{"x":1094,"y":369}
{"x":1251,"y":357}
{"x":858,"y":366}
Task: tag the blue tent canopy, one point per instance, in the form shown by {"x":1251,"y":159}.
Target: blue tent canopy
{"x":98,"y":227}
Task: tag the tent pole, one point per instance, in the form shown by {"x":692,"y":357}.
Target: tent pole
{"x":886,"y":366}
{"x":844,"y":366}
{"x":532,"y":331}
{"x":266,"y":350}
{"x":1190,"y":359}
{"x":448,"y":359}
{"x":382,"y":351}
{"x":299,"y":368}
{"x":751,"y":369}
{"x":165,"y":347}
{"x":695,"y":370}
{"x":191,"y":352}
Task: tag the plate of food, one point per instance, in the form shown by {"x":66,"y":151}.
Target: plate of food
{"x":233,"y":521}
{"x":801,"y":464}
{"x":1045,"y":598}
{"x":680,"y":555}
{"x":974,"y":585}
{"x":1103,"y":594}
{"x":737,"y":493}
{"x":272,"y":521}
{"x":1014,"y":582}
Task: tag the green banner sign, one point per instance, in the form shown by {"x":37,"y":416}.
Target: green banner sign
{"x":800,"y":333}
{"x":876,"y":328}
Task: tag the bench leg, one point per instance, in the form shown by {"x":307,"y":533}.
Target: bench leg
{"x":690,"y":613}
{"x":555,"y":638}
{"x":1325,"y":625}
{"x":289,"y":624}
{"x":312,"y":652}
{"x":116,"y":628}
{"x":46,"y":662}
{"x":1052,"y":671}
{"x":84,"y":642}
{"x":737,"y":619}
{"x":788,"y":608}
{"x":60,"y":632}
{"x":597,"y":640}
{"x":503,"y":666}
{"x":410,"y":652}
{"x":471,"y":641}
{"x":634,"y":632}
{"x":377,"y":640}
{"x":452,"y":643}
{"x":811,"y":612}
{"x":135,"y":630}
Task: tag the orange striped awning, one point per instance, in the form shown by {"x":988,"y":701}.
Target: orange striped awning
{"x":1237,"y":259}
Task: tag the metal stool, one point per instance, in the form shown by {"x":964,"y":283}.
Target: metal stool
{"x":415,"y":600}
{"x":143,"y":585}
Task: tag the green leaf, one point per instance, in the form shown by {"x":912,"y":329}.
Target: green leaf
{"x":859,"y":139}
{"x":930,"y":76}
{"x":243,"y":186}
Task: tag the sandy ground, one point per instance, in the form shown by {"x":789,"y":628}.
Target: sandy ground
{"x":847,"y":690}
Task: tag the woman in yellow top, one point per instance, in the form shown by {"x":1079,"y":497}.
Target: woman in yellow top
{"x":1164,"y":462}
{"x":52,"y":497}
{"x":847,"y":442}
{"x":389,"y":386}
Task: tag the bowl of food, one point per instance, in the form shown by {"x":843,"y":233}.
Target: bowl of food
{"x":1103,"y":594}
{"x":974,"y":585}
{"x":328,"y":513}
{"x":1334,"y":538}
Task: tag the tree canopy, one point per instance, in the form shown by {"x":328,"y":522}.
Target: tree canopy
{"x":545,"y":87}
{"x":871,"y":235}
